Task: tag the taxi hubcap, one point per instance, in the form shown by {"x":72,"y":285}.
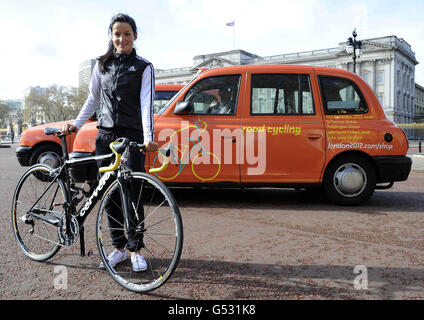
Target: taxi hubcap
{"x":350,"y":180}
{"x":50,"y":159}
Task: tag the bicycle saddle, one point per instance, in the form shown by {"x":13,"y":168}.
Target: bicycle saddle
{"x":49,"y":131}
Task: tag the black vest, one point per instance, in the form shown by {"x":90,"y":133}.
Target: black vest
{"x":120,"y":92}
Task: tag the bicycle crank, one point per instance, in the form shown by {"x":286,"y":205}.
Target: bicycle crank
{"x":68,"y":237}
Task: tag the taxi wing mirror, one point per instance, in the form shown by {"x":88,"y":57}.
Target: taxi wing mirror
{"x":183,"y":107}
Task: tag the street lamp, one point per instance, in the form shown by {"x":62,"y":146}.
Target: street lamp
{"x":354,"y":48}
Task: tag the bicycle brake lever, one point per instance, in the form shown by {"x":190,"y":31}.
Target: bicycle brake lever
{"x":173,"y":156}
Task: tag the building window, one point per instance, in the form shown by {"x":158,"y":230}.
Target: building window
{"x":398,"y":102}
{"x":380,"y":77}
{"x":366,"y":77}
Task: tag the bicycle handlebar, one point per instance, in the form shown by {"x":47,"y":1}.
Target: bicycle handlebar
{"x":114,"y":165}
{"x":119,"y":146}
{"x":165,"y":153}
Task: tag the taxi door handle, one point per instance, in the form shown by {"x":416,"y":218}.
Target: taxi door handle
{"x":313,"y":136}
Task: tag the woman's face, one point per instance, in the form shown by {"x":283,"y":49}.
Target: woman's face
{"x":123,"y":37}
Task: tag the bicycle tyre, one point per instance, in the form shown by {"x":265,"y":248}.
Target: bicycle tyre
{"x":162,"y":235}
{"x":37,"y":239}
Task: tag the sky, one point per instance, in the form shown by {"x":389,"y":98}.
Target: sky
{"x":44,"y":42}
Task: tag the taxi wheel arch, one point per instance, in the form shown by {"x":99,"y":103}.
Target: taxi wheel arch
{"x":46,"y":153}
{"x":350,"y":179}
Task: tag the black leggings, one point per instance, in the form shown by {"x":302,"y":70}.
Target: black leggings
{"x":113,"y":208}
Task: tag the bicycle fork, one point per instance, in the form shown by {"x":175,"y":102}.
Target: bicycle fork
{"x":128,"y":205}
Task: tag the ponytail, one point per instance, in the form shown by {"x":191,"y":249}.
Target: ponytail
{"x":104,"y":58}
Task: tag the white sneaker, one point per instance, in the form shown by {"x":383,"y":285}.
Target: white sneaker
{"x":115,"y":257}
{"x":138,"y":262}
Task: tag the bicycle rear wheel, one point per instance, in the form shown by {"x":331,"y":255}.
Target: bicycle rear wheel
{"x":37,"y":238}
{"x":159,"y":227}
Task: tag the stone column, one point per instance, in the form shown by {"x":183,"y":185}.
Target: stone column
{"x":373,"y":75}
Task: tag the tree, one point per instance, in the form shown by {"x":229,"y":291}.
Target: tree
{"x":4,"y":114}
{"x":76,"y":98}
{"x":57,"y":104}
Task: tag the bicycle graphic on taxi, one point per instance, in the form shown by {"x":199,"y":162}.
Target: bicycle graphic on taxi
{"x":182,"y":154}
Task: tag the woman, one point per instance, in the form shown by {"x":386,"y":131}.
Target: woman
{"x":122,"y":87}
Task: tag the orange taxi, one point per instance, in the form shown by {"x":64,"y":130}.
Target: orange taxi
{"x":278,"y":126}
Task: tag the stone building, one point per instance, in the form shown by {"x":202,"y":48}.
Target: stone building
{"x":419,"y":103}
{"x":387,"y":64}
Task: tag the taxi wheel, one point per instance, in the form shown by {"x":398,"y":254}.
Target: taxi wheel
{"x":349,"y":180}
{"x":48,"y":154}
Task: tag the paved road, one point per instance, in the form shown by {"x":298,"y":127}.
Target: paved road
{"x":252,"y":244}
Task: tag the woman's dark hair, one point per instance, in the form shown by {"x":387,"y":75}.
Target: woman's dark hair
{"x":120,"y":17}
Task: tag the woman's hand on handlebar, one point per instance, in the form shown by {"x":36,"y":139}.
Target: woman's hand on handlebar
{"x":67,"y":128}
{"x":151,"y":146}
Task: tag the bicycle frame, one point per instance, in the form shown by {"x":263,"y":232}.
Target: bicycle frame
{"x":117,"y":171}
{"x":136,"y":208}
{"x":90,"y":202}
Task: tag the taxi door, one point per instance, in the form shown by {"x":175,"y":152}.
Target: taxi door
{"x":205,"y":132}
{"x":283,"y":128}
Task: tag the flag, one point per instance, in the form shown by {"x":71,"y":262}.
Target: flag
{"x":230,"y":24}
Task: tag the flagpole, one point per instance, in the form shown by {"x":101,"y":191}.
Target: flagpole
{"x":233,"y":25}
{"x":234,"y":35}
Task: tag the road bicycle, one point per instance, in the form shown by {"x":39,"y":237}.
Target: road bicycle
{"x":183,"y":153}
{"x":48,"y":213}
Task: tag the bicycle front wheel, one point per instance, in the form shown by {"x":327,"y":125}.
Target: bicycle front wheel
{"x":158,"y":232}
{"x":32,"y":210}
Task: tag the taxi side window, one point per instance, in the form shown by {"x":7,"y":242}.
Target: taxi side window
{"x":281,"y":94}
{"x":214,"y":95}
{"x":341,"y":96}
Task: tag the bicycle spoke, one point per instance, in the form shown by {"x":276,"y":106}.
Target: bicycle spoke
{"x":140,"y":193}
{"x":158,"y":222}
{"x":150,"y":202}
{"x":157,"y":242}
{"x":112,"y":218}
{"x":157,"y":208}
